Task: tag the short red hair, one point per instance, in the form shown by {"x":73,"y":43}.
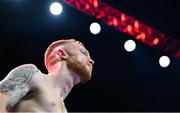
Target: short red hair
{"x":55,"y":44}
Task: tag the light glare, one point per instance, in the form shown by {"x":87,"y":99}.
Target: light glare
{"x":164,"y":61}
{"x":130,"y":45}
{"x":95,"y":28}
{"x":56,"y":8}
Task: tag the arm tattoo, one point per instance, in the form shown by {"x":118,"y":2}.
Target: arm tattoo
{"x":16,"y":84}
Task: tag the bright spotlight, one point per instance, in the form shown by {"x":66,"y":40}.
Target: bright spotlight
{"x":95,"y":28}
{"x":164,"y":61}
{"x":56,"y":8}
{"x":130,"y":45}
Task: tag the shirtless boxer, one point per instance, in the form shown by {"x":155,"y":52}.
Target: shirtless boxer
{"x":27,"y":89}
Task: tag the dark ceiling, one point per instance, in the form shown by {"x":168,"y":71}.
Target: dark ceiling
{"x":121,"y":81}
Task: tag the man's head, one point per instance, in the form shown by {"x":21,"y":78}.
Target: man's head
{"x":74,"y":54}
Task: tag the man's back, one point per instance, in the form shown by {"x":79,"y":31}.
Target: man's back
{"x":28,"y":90}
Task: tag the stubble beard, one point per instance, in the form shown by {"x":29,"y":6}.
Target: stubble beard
{"x":80,"y":69}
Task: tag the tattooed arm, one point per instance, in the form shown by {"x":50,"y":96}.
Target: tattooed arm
{"x":16,"y":85}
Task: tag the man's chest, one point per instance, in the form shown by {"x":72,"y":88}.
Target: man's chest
{"x":43,"y":98}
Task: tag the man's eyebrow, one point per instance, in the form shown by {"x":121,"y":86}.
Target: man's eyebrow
{"x":84,"y":50}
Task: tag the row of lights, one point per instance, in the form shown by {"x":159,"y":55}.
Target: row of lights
{"x":130,"y":45}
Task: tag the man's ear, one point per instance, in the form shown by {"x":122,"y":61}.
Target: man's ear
{"x":62,"y":54}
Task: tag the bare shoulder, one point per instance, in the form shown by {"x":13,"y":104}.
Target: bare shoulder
{"x":21,"y":73}
{"x":23,"y":70}
{"x":17,"y":83}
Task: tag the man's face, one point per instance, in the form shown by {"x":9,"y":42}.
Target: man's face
{"x":80,"y":62}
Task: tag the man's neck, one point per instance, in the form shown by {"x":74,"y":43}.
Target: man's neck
{"x":63,"y":79}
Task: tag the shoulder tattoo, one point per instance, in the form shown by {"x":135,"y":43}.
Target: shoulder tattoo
{"x":16,"y":84}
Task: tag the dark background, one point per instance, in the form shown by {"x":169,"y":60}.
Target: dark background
{"x":121,"y":81}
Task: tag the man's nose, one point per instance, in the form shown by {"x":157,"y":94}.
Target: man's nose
{"x":91,"y":61}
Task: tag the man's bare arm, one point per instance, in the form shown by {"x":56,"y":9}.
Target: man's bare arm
{"x":16,"y":85}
